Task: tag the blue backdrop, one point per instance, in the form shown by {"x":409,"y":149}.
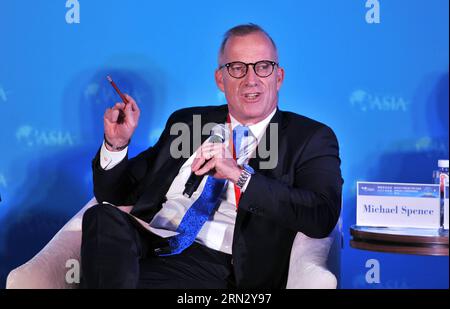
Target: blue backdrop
{"x":383,"y":88}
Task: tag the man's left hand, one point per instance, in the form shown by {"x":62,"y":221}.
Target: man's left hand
{"x":219,"y":162}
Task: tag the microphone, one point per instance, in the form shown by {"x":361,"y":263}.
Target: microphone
{"x":218,"y":134}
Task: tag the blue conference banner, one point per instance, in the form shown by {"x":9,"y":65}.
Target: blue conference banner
{"x":376,"y":71}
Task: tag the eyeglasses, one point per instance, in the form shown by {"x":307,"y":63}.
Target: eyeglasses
{"x":238,"y":69}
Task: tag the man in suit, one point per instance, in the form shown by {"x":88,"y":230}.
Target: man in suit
{"x":260,"y":202}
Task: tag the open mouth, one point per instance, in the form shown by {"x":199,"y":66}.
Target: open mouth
{"x":252,"y":96}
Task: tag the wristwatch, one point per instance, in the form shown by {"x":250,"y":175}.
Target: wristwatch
{"x":247,"y":171}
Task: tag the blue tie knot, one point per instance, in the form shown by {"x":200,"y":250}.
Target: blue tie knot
{"x":239,"y":133}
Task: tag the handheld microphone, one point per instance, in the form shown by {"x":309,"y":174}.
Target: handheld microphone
{"x":217,"y":136}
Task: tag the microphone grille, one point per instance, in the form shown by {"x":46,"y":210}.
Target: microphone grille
{"x":218,"y":134}
{"x":216,"y":139}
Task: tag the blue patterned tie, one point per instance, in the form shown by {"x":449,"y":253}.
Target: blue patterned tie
{"x":201,"y":210}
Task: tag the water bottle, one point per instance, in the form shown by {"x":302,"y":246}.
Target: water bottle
{"x":443,"y":193}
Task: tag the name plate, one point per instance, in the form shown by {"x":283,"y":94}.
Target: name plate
{"x":397,"y":205}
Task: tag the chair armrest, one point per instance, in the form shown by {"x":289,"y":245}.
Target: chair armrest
{"x":307,"y":265}
{"x":47,"y":269}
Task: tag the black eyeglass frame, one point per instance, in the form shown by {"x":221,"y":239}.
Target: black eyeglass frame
{"x":228,"y":65}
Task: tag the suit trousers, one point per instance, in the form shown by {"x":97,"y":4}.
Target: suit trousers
{"x":117,"y":252}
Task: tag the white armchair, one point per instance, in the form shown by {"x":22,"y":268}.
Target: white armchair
{"x":48,"y":269}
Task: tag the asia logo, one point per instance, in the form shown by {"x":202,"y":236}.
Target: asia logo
{"x":33,"y":137}
{"x":365,"y":101}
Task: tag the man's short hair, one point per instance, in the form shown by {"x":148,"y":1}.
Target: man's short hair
{"x":242,"y":30}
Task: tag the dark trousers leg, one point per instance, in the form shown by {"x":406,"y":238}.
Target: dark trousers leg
{"x":116,"y":252}
{"x":197,"y":267}
{"x":111,"y":248}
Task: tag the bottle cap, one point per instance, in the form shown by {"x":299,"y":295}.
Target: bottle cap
{"x":443,"y":163}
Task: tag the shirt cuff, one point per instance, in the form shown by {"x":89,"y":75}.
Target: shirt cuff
{"x":109,"y":159}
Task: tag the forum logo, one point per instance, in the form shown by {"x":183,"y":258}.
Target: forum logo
{"x":365,"y":102}
{"x":32,"y":137}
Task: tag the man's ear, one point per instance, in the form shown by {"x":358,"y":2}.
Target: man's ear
{"x":280,"y":77}
{"x":219,"y":79}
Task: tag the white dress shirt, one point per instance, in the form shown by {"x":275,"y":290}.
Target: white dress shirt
{"x":217,"y":232}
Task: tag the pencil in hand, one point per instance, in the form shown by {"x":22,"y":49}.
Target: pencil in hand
{"x":121,"y":117}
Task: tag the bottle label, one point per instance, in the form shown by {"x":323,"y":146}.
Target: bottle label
{"x":443,"y":189}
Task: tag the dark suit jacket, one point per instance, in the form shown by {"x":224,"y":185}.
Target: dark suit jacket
{"x":302,"y":193}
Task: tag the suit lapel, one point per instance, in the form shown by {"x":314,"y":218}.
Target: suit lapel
{"x":255,"y":162}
